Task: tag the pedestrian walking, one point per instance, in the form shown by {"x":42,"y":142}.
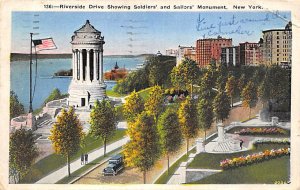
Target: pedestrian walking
{"x":82,"y":159}
{"x":241,"y":144}
{"x":86,"y":157}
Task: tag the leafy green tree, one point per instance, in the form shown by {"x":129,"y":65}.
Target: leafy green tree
{"x":206,"y":85}
{"x":169,"y":132}
{"x":177,"y":79}
{"x":155,"y":102}
{"x":133,"y":106}
{"x":242,"y":82}
{"x":158,"y":69}
{"x":249,"y":96}
{"x":222,"y":76}
{"x":188,"y":120}
{"x":16,"y":108}
{"x":54,"y":95}
{"x":142,"y":151}
{"x":66,"y":134}
{"x":205,"y":115}
{"x":103,"y":121}
{"x":221,"y":106}
{"x":190,"y":73}
{"x":230,"y":88}
{"x":22,"y":152}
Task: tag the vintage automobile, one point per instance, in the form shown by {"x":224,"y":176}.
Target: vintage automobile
{"x":115,"y":165}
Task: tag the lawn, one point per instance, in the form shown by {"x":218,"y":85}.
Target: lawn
{"x":212,"y":161}
{"x":54,"y":161}
{"x":114,"y":94}
{"x":268,"y":172}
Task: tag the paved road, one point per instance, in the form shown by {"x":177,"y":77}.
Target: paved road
{"x":75,"y":165}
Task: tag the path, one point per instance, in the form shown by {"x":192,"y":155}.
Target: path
{"x":75,"y":165}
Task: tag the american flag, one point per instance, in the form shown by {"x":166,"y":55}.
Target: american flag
{"x":44,"y":44}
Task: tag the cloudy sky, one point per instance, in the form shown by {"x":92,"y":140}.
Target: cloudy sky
{"x":143,"y":32}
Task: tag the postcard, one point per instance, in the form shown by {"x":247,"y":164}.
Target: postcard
{"x":149,"y":95}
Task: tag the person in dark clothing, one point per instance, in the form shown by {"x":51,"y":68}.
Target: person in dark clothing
{"x":82,"y":159}
{"x":241,"y":144}
{"x":86,"y":156}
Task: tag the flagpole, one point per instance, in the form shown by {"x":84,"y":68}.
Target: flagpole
{"x":30,"y":76}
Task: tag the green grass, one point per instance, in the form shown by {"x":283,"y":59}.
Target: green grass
{"x":55,"y":161}
{"x":114,"y":94}
{"x":164,"y":178}
{"x":86,"y":167}
{"x":268,"y":172}
{"x":212,"y":161}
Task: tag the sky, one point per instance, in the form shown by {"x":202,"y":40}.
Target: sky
{"x":132,"y":33}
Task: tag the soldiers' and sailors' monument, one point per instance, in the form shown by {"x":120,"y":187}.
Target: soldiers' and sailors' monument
{"x":87,"y":84}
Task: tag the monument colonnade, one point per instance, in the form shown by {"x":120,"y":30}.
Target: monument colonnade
{"x":82,"y":67}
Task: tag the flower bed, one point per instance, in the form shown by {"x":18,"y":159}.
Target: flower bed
{"x":253,"y":158}
{"x":272,"y":141}
{"x":262,"y":131}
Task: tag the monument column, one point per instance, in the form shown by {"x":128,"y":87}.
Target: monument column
{"x":73,"y":64}
{"x":81,"y":64}
{"x":88,"y":65}
{"x":75,"y":68}
{"x":95,"y":66}
{"x":101,"y":66}
{"x":77,"y":65}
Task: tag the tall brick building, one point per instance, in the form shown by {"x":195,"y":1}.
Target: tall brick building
{"x":208,"y":49}
{"x":251,"y":53}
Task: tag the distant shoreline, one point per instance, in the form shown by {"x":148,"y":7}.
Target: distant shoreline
{"x":26,"y":57}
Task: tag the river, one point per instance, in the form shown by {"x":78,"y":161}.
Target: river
{"x":45,"y":83}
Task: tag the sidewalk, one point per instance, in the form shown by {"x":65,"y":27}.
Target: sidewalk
{"x":75,"y":165}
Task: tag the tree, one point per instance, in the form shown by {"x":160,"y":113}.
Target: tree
{"x":103,"y":121}
{"x":190,"y":73}
{"x":142,"y":150}
{"x":222,"y":76}
{"x":22,"y":152}
{"x":230,"y":88}
{"x":66,"y":134}
{"x":54,"y":95}
{"x":155,"y":102}
{"x":206,"y":85}
{"x":205,"y":115}
{"x":188,"y":120}
{"x":177,"y":79}
{"x":221,"y":106}
{"x":241,"y":83}
{"x":16,"y":108}
{"x":169,"y":132}
{"x":133,"y":106}
{"x":249,"y":96}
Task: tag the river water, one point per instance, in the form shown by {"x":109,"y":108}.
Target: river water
{"x":45,"y":83}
